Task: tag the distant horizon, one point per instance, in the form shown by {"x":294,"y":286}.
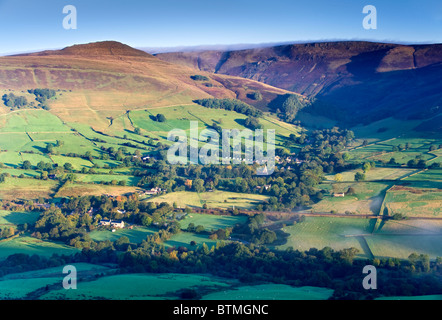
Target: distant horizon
{"x":32,"y":26}
{"x":222,"y":47}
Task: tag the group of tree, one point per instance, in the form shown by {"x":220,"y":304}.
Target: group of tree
{"x":256,"y":95}
{"x":252,"y":123}
{"x":13,"y":101}
{"x":287,"y":106}
{"x":160,"y":118}
{"x":41,"y":95}
{"x":230,"y":105}
{"x":199,"y":77}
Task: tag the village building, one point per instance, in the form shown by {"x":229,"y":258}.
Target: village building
{"x":339,"y":195}
{"x":115,"y":224}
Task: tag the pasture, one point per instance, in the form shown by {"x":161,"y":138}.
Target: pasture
{"x":15,"y":188}
{"x":30,"y":246}
{"x":141,"y":287}
{"x":211,"y":222}
{"x":271,"y":292}
{"x":391,"y":238}
{"x":183,"y":239}
{"x":414,"y":202}
{"x":215,"y":199}
{"x":135,"y":235}
{"x":9,"y":218}
{"x":337,"y":233}
{"x":366,"y":200}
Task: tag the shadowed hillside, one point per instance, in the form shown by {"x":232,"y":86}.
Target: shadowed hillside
{"x":104,"y":79}
{"x":348,"y":81}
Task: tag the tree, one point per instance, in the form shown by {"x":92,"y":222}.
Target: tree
{"x":68,"y":166}
{"x":198,"y":77}
{"x":198,"y":185}
{"x":26,"y":165}
{"x":161,"y":117}
{"x":359,"y":176}
{"x":366,"y":167}
{"x":338,"y":177}
{"x":50,"y":148}
{"x":71,"y":177}
{"x":351,"y":191}
{"x":257,"y":96}
{"x":121,"y":241}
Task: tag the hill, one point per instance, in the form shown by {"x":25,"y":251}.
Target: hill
{"x":104,"y":79}
{"x":347,"y":81}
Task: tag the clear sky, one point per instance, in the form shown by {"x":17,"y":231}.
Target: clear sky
{"x":31,"y":25}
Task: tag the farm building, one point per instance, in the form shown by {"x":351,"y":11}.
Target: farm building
{"x":116,"y":224}
{"x":339,"y":195}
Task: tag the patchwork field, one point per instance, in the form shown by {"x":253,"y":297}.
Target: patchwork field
{"x":376,"y":174}
{"x":367,"y":199}
{"x":271,"y":292}
{"x":141,"y":287}
{"x":183,"y":239}
{"x":401,"y":246}
{"x":414,"y":202}
{"x":390,"y":239}
{"x":211,"y":222}
{"x":337,"y":233}
{"x":135,"y":235}
{"x":31,"y":284}
{"x":383,"y":136}
{"x":28,"y":245}
{"x":15,"y":218}
{"x":15,"y":188}
{"x":215,"y":199}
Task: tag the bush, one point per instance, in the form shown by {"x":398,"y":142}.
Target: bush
{"x":230,"y":105}
{"x":161,"y":118}
{"x":255,"y":96}
{"x":198,"y":77}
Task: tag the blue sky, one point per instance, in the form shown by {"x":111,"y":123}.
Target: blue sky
{"x":31,"y":25}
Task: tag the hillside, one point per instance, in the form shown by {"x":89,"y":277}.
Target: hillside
{"x":104,"y":79}
{"x":348,"y":81}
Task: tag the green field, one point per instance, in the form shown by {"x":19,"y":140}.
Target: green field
{"x":424,"y":298}
{"x":414,"y":202}
{"x":77,"y":163}
{"x":401,"y":246}
{"x":211,"y":222}
{"x":337,"y":233}
{"x":271,"y":292}
{"x":135,"y":235}
{"x":15,"y":188}
{"x":19,"y":288}
{"x":367,"y":199}
{"x":16,"y":218}
{"x":82,"y":269}
{"x":98,"y":178}
{"x":28,"y":245}
{"x":215,"y":199}
{"x":31,"y":284}
{"x":141,"y":287}
{"x":180,"y":117}
{"x":390,"y":239}
{"x":376,"y":174}
{"x":183,"y":239}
